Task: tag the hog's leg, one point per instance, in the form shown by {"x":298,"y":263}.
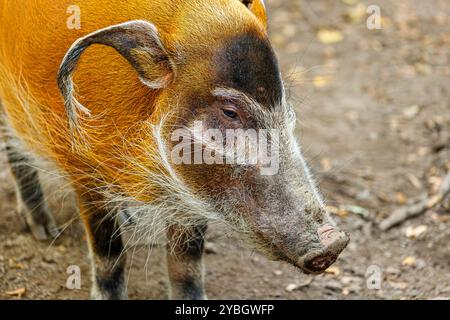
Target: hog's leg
{"x":106,"y":250}
{"x":185,"y":263}
{"x":30,"y":197}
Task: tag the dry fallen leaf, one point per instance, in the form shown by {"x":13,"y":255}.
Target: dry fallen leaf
{"x":409,"y":261}
{"x":278,"y":40}
{"x":440,"y":218}
{"x":416,"y":232}
{"x":289,"y":30}
{"x":332,"y":209}
{"x":356,"y":14}
{"x":423,"y":69}
{"x":350,"y":2}
{"x":435,"y":182}
{"x":291,"y":287}
{"x":386,"y":22}
{"x":326,"y":164}
{"x":295,"y":286}
{"x":411,"y":111}
{"x":330,"y":36}
{"x":422,"y":151}
{"x":398,"y":285}
{"x":321,"y":81}
{"x":335,"y":271}
{"x":434,"y":200}
{"x":16,"y":265}
{"x":394,"y":123}
{"x":400,"y":198}
{"x":352,"y":115}
{"x":18,"y":292}
{"x":337,"y":211}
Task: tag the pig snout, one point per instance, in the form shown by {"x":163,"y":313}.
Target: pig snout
{"x":332,"y":241}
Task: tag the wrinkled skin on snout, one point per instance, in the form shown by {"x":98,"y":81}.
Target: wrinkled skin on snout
{"x":282,"y":213}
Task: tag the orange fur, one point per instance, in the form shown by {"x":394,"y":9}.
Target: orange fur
{"x":34,"y":38}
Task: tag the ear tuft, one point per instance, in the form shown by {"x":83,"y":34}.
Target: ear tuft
{"x":137,"y":41}
{"x":258,"y":8}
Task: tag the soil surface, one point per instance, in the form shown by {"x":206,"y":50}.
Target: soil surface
{"x":374,"y":122}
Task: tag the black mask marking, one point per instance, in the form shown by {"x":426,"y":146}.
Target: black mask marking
{"x":248,"y":63}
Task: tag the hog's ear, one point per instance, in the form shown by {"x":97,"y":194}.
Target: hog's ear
{"x":259,"y":10}
{"x":137,"y":41}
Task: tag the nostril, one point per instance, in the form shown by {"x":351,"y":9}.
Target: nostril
{"x":320,"y":262}
{"x":333,"y":241}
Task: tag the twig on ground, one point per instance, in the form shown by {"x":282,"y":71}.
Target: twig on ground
{"x":418,"y":207}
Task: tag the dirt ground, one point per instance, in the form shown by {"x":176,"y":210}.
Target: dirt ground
{"x":374,"y":122}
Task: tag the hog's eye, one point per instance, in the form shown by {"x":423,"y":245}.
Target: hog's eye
{"x":230,"y":110}
{"x":230,"y":113}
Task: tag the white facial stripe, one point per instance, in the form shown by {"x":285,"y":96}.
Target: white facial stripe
{"x":253,"y":106}
{"x":232,"y":94}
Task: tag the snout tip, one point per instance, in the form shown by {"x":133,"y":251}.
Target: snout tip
{"x":318,"y":260}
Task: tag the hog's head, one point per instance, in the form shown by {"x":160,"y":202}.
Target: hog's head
{"x":229,"y":131}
